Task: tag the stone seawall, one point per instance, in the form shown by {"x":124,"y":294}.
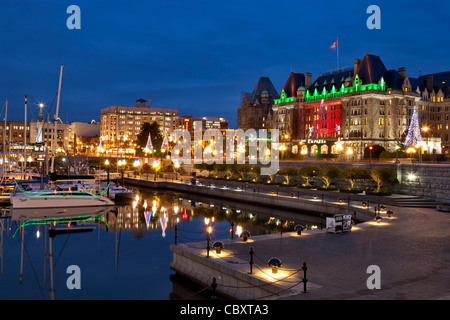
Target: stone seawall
{"x":425,"y":180}
{"x":264,"y":200}
{"x":429,"y":180}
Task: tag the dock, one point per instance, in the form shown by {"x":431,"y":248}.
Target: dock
{"x":410,"y":250}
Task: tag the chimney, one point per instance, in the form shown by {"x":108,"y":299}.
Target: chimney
{"x":356,"y":65}
{"x":149,"y":101}
{"x":430,"y":82}
{"x":402,"y":72}
{"x":308,"y":80}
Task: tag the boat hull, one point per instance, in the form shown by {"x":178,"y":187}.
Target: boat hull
{"x":39,"y":213}
{"x":24,"y":202}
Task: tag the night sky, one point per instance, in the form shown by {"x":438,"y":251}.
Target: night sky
{"x":198,"y":56}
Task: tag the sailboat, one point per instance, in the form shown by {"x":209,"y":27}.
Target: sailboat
{"x":57,"y":198}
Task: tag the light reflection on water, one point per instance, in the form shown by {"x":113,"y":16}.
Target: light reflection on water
{"x":122,"y":251}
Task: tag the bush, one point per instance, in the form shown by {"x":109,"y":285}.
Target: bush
{"x":288,"y":173}
{"x":329,"y":188}
{"x":382,"y":192}
{"x":329,"y":174}
{"x":382,"y":176}
{"x":309,"y":172}
{"x":351,"y":190}
{"x":352,"y":174}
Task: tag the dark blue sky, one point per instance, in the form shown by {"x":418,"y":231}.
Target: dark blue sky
{"x":198,"y":56}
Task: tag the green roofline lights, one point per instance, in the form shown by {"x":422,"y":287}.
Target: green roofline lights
{"x":357,"y":87}
{"x":283,"y":98}
{"x":60,"y":220}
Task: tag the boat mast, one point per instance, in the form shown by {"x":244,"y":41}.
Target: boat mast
{"x":56,"y":120}
{"x":24,"y":163}
{"x":4,"y":139}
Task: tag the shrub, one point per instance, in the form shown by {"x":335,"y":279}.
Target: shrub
{"x":288,"y":173}
{"x":329,"y":173}
{"x":352,"y":174}
{"x":308,"y":172}
{"x":382,"y":176}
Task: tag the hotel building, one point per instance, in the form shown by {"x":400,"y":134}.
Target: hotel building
{"x":346,"y":111}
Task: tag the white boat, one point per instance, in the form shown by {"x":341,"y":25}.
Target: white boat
{"x":58,"y":199}
{"x":48,"y":213}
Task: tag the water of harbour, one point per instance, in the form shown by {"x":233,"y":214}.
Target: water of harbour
{"x":122,"y":252}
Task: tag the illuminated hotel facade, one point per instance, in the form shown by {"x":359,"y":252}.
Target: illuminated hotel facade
{"x":345,"y":112}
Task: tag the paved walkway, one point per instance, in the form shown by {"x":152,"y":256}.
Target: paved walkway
{"x":412,"y":250}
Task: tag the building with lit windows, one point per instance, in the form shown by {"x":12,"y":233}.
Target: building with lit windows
{"x":35,"y":148}
{"x":255,"y":111}
{"x":434,"y":111}
{"x":346,"y":111}
{"x":120,"y":125}
{"x":286,"y":109}
{"x":188,"y":123}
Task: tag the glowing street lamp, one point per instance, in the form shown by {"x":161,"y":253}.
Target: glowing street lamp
{"x":275,"y":263}
{"x":107,"y":176}
{"x":156,"y":167}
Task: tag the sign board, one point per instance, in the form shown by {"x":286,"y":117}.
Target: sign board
{"x":339,"y":223}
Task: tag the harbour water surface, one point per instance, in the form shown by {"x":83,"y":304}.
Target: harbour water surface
{"x":122,"y":252}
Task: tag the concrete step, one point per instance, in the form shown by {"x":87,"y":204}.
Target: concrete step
{"x":416,"y":202}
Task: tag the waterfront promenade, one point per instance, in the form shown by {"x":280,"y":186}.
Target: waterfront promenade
{"x":412,"y":250}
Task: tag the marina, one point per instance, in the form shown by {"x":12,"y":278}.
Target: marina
{"x":106,"y":242}
{"x":202,"y":153}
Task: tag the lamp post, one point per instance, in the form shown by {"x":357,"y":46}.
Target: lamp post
{"x":176,"y":167}
{"x":283,"y":150}
{"x":156,"y":168}
{"x":136,"y":164}
{"x":411,"y":150}
{"x":425,"y":130}
{"x":370,"y":151}
{"x":397,"y":147}
{"x":121,"y":165}
{"x":107,"y":176}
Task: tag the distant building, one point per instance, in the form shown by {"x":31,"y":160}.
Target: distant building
{"x":84,"y":137}
{"x":286,"y":110}
{"x":433,"y":108}
{"x":255,"y":111}
{"x":188,"y":123}
{"x":35,"y":149}
{"x":120,"y":125}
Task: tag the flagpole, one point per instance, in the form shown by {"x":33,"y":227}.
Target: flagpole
{"x":337,"y":53}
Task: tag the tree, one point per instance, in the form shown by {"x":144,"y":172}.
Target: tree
{"x":256,"y":171}
{"x":413,"y":136}
{"x":329,"y":173}
{"x":241,"y":169}
{"x":146,"y":168}
{"x":155,"y":134}
{"x":382,"y":176}
{"x":288,"y":173}
{"x":352,"y":174}
{"x":308,"y":172}
{"x":223,"y":167}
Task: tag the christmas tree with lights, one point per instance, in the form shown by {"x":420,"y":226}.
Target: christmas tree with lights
{"x":165,"y":143}
{"x":149,"y":146}
{"x":413,"y":137}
